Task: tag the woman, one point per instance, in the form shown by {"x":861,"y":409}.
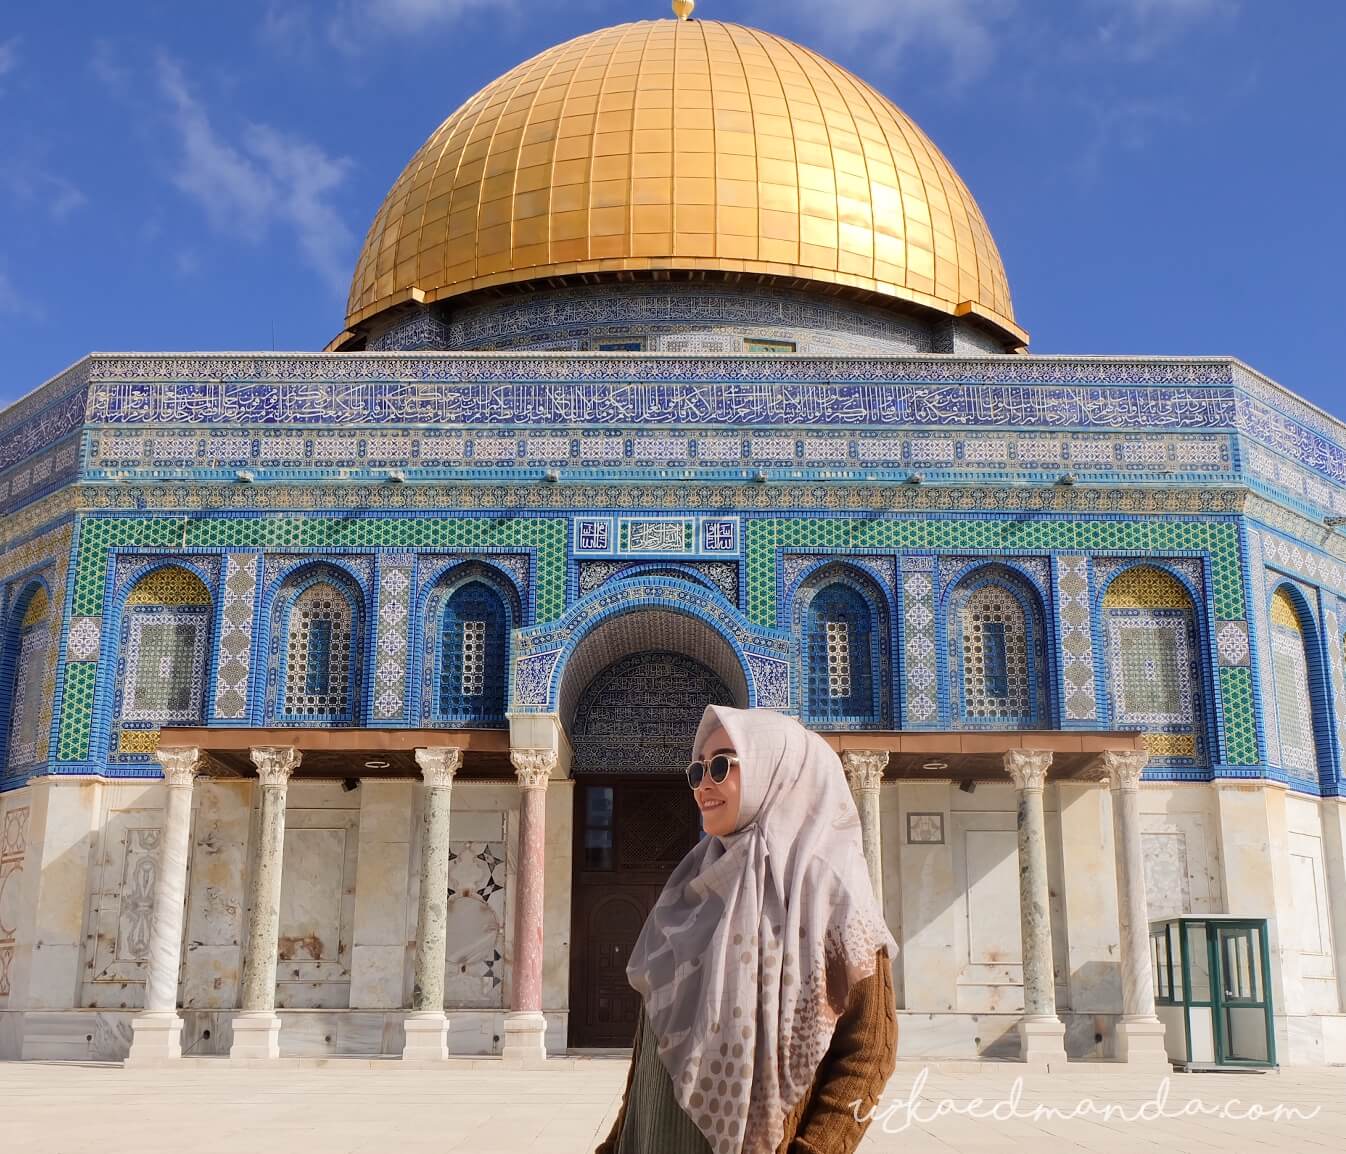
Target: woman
{"x":768,"y":1019}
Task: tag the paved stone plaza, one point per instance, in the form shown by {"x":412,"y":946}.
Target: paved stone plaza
{"x":358,"y":1105}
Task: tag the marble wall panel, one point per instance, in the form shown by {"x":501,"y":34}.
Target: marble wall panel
{"x":317,"y":896}
{"x":1256,"y":878}
{"x":1180,"y":849}
{"x":122,"y":881}
{"x":385,"y":917}
{"x":891,"y":840}
{"x":929,"y":915}
{"x":475,"y":949}
{"x":1308,"y":845}
{"x":988,"y":946}
{"x":14,"y":814}
{"x":212,"y":957}
{"x":62,"y":833}
{"x":1089,"y":897}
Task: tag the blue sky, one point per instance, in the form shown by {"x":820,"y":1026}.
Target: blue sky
{"x":1162,"y":176}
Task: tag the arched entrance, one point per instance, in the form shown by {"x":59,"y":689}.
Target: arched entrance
{"x":631,"y":731}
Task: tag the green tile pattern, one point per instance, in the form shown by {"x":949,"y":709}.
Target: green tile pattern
{"x":1240,"y":726}
{"x":76,"y":711}
{"x":99,"y":534}
{"x":1152,"y":537}
{"x":762,"y":538}
{"x":765,"y":536}
{"x":546,"y":535}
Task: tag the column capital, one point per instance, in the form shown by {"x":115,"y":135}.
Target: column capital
{"x":864,"y":767}
{"x":438,"y":764}
{"x":533,"y":766}
{"x":179,"y":763}
{"x":275,"y":763}
{"x":1125,"y":766}
{"x":1028,"y":767}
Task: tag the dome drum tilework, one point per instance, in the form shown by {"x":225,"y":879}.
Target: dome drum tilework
{"x":682,"y":146}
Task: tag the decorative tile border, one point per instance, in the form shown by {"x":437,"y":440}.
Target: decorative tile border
{"x":1079,"y":693}
{"x":518,"y":500}
{"x":1336,"y":651}
{"x":925,"y":828}
{"x":234,"y":632}
{"x":45,"y":555}
{"x":722,"y":575}
{"x":442,"y":452}
{"x":765,"y":653}
{"x":1023,"y":392}
{"x":84,"y":639}
{"x":1261,"y":637}
{"x":921,"y":706}
{"x":392,"y":665}
{"x":1231,"y":642}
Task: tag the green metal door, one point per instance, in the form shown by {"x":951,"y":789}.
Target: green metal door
{"x":1240,"y":1000}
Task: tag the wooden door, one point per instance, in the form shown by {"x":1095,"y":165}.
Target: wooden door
{"x":629,"y":835}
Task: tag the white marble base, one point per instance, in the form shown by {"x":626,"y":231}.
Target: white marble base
{"x":155,"y":1039}
{"x":1042,"y":1043}
{"x":427,"y":1037}
{"x":74,"y":1035}
{"x":525,"y":1039}
{"x":1141,"y":1044}
{"x":1334,"y":1039}
{"x":256,"y":1035}
{"x":11,"y":1035}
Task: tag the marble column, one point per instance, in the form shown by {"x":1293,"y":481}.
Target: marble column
{"x":256,"y":1026}
{"x":864,"y":771}
{"x":427,"y":1029}
{"x":1139,"y":1038}
{"x":525,"y":1026}
{"x":1041,"y":1031}
{"x":156,"y":1034}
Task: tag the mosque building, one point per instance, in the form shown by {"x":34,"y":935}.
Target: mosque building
{"x":345,"y":696}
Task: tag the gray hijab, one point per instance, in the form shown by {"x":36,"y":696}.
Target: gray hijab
{"x":746,"y":960}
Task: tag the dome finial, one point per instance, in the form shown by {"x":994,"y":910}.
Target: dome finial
{"x":682,"y":9}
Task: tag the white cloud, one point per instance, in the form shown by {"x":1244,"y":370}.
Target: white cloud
{"x":9,"y":55}
{"x":415,"y":15}
{"x":964,"y":31}
{"x":269,"y":178}
{"x":108,"y":65}
{"x":970,"y":34}
{"x":13,"y":303}
{"x":1138,"y":29}
{"x":295,"y":25}
{"x":32,"y":185}
{"x":9,"y":297}
{"x":304,"y":176}
{"x":1122,"y":126}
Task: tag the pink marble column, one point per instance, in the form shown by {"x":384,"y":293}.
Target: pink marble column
{"x":525,"y":1026}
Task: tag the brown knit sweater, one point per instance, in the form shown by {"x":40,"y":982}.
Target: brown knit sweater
{"x":857,"y":1065}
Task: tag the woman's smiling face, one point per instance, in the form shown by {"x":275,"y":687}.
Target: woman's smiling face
{"x":718,"y":801}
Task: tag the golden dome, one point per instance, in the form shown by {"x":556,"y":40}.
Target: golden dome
{"x":682,"y":145}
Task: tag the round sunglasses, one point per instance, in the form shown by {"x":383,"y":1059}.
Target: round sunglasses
{"x":717,"y":767}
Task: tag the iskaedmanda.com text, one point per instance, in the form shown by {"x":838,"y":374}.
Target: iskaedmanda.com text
{"x":897,"y":1115}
